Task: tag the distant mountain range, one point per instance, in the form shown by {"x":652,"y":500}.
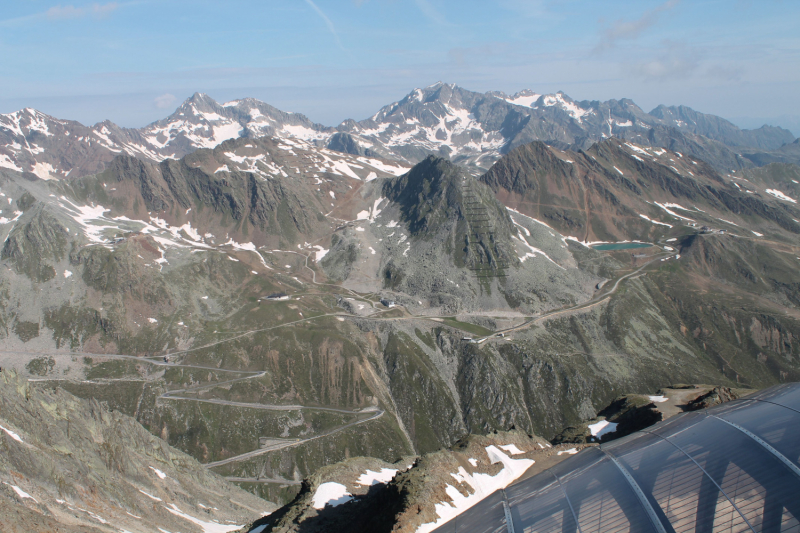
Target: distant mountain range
{"x":470,"y":128}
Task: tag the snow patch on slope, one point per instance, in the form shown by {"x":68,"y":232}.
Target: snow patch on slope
{"x":373,"y":478}
{"x":330,"y":493}
{"x":11,"y":434}
{"x":524,"y":100}
{"x":655,"y":221}
{"x":208,"y":527}
{"x":601,"y":428}
{"x":482,"y":486}
{"x":780,"y":196}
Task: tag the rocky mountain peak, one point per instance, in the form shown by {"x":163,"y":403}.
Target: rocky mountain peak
{"x":719,"y":129}
{"x":199,"y":106}
{"x":470,"y":128}
{"x":429,"y":193}
{"x":199,"y":97}
{"x":439,"y":200}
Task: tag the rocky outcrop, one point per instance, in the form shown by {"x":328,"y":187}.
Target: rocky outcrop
{"x":715,"y":396}
{"x":35,"y":244}
{"x":626,"y":414}
{"x":413,"y":491}
{"x":438,"y":197}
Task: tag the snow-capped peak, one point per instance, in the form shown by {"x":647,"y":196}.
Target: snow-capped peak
{"x":524,"y":98}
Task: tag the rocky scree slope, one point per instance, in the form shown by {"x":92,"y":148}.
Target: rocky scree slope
{"x":71,"y":465}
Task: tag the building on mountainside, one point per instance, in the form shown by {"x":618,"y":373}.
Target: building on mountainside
{"x":388,"y":303}
{"x":734,"y":467}
{"x":278,"y":296}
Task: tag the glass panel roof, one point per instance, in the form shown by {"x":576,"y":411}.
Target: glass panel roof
{"x":735,"y":467}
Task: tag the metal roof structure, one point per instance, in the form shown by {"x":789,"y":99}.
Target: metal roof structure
{"x":734,"y":467}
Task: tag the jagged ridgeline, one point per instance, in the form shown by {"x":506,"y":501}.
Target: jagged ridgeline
{"x":470,"y":128}
{"x":243,"y":204}
{"x":180,"y":258}
{"x":441,"y":201}
{"x":616,"y":190}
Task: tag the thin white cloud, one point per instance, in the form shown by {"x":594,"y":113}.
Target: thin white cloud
{"x":668,"y":67}
{"x":60,"y":12}
{"x":67,"y":12}
{"x":676,"y":61}
{"x":631,"y":29}
{"x":164,"y":101}
{"x":431,"y":12}
{"x":104,"y":10}
{"x":327,"y":21}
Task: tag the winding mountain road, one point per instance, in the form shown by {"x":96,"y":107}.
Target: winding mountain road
{"x":180,"y":395}
{"x":375,"y":413}
{"x":596,"y":300}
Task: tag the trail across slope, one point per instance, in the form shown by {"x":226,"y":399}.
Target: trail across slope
{"x":179,"y":395}
{"x":183,"y":394}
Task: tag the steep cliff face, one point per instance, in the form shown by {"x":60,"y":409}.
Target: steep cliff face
{"x":242,"y":204}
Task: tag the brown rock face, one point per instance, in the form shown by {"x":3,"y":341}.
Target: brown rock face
{"x":715,"y":396}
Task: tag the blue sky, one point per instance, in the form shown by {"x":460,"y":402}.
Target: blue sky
{"x":133,"y":61}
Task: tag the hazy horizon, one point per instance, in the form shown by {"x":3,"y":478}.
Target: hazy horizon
{"x":134,"y":62}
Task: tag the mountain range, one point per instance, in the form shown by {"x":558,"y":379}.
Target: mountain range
{"x":470,"y":128}
{"x":270,"y":296}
